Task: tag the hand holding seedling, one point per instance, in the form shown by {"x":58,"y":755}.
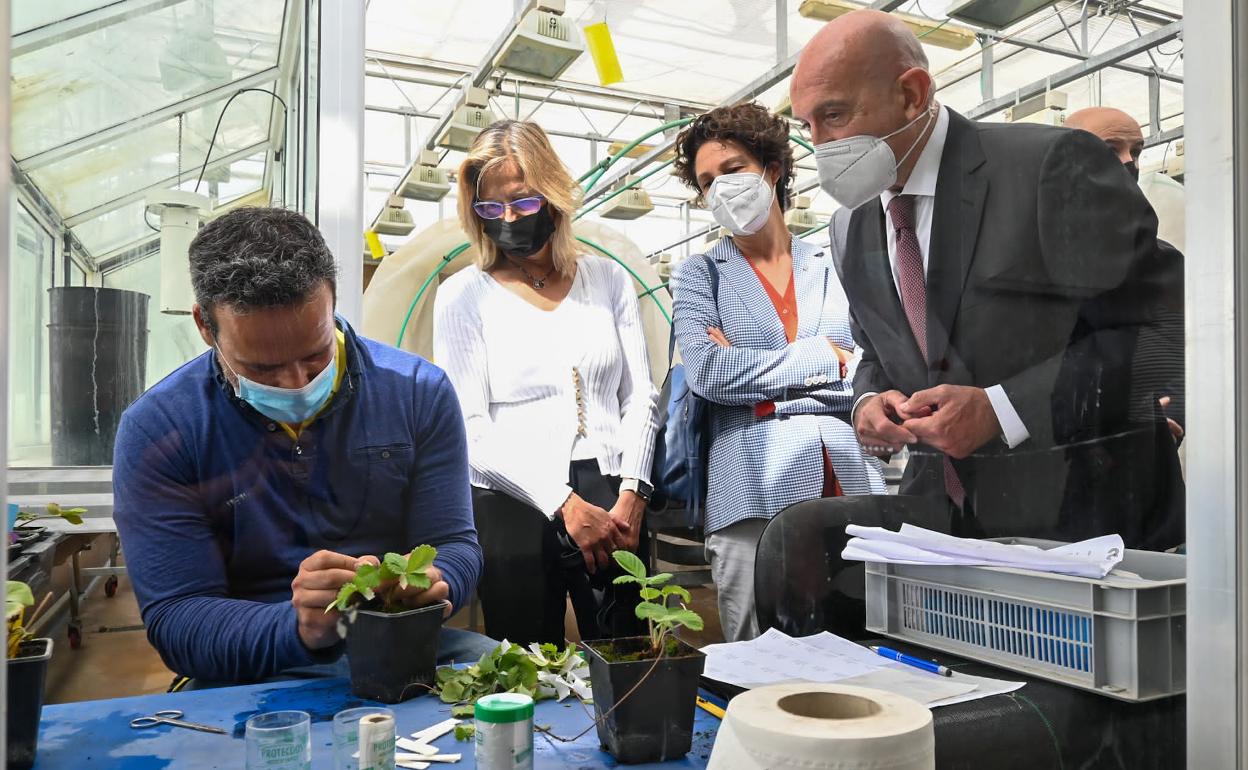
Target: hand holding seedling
{"x":396,"y":582}
{"x":315,"y":589}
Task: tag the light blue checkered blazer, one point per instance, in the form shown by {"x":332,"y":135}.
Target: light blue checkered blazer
{"x":758,"y":467}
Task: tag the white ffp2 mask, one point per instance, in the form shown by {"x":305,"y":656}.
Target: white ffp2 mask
{"x":856,"y":169}
{"x":740,"y":202}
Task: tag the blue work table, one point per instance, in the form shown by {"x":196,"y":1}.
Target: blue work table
{"x":97,"y":734}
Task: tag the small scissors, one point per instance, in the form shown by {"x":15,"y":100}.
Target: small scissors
{"x":172,"y":717}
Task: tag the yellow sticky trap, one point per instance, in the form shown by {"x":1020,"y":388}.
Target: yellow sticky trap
{"x":374,"y":244}
{"x":602,"y":48}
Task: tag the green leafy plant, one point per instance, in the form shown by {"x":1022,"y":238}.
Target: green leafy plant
{"x":541,"y":672}
{"x":54,"y":511}
{"x":656,"y":593}
{"x":465,"y":732}
{"x":17,"y":597}
{"x":383,"y":582}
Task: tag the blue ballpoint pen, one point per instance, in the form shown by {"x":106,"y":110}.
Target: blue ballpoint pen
{"x":901,"y":657}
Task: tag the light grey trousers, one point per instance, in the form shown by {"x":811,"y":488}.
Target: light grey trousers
{"x":730,"y":552}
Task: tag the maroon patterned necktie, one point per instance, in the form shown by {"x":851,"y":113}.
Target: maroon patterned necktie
{"x":913,"y":284}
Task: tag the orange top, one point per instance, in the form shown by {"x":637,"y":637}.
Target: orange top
{"x":786,"y":306}
{"x":786,"y":309}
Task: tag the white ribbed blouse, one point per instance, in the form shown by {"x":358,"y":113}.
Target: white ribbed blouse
{"x":514,"y":367}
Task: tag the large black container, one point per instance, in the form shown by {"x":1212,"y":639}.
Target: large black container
{"x":655,"y":722}
{"x":26,"y":675}
{"x":98,"y":344}
{"x":393,"y":655}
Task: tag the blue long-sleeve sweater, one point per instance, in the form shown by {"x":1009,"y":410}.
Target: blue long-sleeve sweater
{"x":217,"y":506}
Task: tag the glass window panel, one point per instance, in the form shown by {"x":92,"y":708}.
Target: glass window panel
{"x":127,"y":226}
{"x":172,"y":339}
{"x":73,"y":88}
{"x":32,"y":14}
{"x":31,"y":251}
{"x":115,"y":229}
{"x":148,"y":157}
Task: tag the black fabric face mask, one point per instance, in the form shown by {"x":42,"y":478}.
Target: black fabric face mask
{"x":1133,"y":170}
{"x":524,"y":237}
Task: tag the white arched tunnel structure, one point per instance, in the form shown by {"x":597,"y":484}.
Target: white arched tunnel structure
{"x":400,"y":276}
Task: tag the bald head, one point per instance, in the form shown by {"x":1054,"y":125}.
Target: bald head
{"x":865,"y":73}
{"x":878,"y":42}
{"x":1115,"y":127}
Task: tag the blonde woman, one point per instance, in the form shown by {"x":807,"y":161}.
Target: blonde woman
{"x":544,"y":345}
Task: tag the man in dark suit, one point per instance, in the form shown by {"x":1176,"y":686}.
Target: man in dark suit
{"x":999,"y":277}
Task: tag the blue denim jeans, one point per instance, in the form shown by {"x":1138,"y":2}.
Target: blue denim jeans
{"x":455,"y":645}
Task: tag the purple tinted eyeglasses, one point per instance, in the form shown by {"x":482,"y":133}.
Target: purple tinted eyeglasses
{"x":495,"y":209}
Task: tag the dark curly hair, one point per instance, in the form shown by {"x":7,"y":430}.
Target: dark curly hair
{"x":762,"y":133}
{"x":256,"y":258}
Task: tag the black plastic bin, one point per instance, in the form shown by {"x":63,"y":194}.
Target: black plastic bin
{"x":98,"y":347}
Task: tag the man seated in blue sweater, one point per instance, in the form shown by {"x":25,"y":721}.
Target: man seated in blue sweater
{"x":251,"y":482}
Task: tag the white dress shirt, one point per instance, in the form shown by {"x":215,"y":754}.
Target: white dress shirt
{"x":515,"y":368}
{"x":922,"y":185}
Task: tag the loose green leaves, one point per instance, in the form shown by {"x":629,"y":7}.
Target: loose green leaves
{"x":540,"y":672}
{"x":463,"y":711}
{"x":54,"y":511}
{"x":465,"y":732}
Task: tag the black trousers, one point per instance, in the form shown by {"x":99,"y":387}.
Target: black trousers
{"x":532,"y":566}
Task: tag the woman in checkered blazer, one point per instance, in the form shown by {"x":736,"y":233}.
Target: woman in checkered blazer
{"x":770,"y":348}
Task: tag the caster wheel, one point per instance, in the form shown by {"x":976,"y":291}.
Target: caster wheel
{"x":75,"y":637}
{"x":110,"y":586}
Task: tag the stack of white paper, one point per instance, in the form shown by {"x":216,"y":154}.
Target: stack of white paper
{"x":776,"y":658}
{"x":914,"y":545}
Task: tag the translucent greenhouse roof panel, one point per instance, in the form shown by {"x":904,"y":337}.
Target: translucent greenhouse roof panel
{"x":72,"y":79}
{"x":459,"y":31}
{"x":126,"y":225}
{"x":703,"y":51}
{"x":132,"y":165}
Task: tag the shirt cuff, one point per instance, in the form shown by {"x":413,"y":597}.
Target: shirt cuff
{"x":1013,"y":431}
{"x":552,"y":502}
{"x":853,"y":413}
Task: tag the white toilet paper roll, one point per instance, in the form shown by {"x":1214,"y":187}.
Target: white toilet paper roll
{"x":824,"y":727}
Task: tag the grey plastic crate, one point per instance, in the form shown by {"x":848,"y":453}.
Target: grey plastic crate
{"x":1119,"y":636}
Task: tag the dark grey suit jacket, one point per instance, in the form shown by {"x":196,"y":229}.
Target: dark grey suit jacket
{"x":1044,"y":267}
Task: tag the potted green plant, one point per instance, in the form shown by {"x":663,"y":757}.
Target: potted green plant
{"x":28,"y":667}
{"x":645,"y":688}
{"x":391,"y":648}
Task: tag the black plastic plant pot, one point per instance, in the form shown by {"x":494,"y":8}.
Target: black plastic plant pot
{"x":655,"y":722}
{"x":26,"y":675}
{"x":393,"y":655}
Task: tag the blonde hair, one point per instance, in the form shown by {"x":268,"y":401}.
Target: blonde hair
{"x":524,"y":144}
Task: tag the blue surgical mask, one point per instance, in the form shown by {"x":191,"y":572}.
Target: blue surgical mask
{"x":289,"y":405}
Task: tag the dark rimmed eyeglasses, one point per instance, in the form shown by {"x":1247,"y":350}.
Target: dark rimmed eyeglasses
{"x":495,"y":209}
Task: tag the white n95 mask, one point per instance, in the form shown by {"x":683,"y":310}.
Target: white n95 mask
{"x":856,"y":169}
{"x":740,"y":202}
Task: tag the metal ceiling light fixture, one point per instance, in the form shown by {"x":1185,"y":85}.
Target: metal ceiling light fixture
{"x":470,"y":117}
{"x":394,"y":219}
{"x":996,"y":14}
{"x":426,"y":181}
{"x":544,"y":43}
